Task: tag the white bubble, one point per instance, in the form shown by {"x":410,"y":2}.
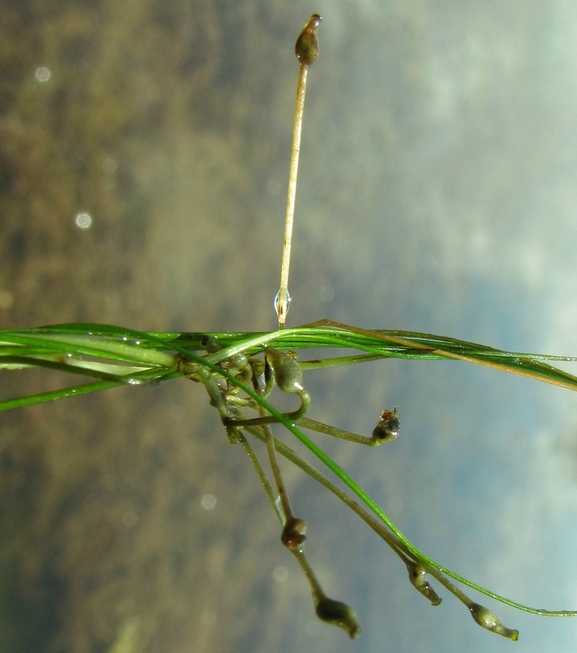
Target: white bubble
{"x":83,"y":220}
{"x":208,"y":501}
{"x":129,"y":519}
{"x":109,"y":165}
{"x":42,"y":74}
{"x":280,"y":574}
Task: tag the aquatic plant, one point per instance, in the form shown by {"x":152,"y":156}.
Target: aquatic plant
{"x":239,"y":370}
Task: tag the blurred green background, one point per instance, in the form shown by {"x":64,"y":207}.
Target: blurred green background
{"x":144,"y":150}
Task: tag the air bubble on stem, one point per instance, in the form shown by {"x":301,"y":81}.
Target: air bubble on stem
{"x":282,"y":307}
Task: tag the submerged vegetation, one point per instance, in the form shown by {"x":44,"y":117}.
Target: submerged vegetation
{"x":237,"y":379}
{"x":239,"y":370}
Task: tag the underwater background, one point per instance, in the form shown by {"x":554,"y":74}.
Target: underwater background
{"x":144,"y":153}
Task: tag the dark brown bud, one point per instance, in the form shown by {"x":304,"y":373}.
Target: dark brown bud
{"x":307,"y":46}
{"x":388,"y":426}
{"x":293,"y":533}
{"x":338,"y":614}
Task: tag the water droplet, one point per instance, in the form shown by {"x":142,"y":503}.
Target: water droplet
{"x":208,"y":501}
{"x":280,"y":574}
{"x":326,"y":294}
{"x":42,"y":74}
{"x":83,"y":220}
{"x":109,"y":165}
{"x":129,"y":518}
{"x":277,"y":302}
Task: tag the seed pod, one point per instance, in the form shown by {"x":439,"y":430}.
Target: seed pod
{"x":236,"y":362}
{"x":307,"y":46}
{"x":387,"y":428}
{"x":210,"y":344}
{"x":284,"y":369}
{"x":418,"y":578}
{"x":486,"y":619}
{"x":293,"y":533}
{"x":338,"y":614}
